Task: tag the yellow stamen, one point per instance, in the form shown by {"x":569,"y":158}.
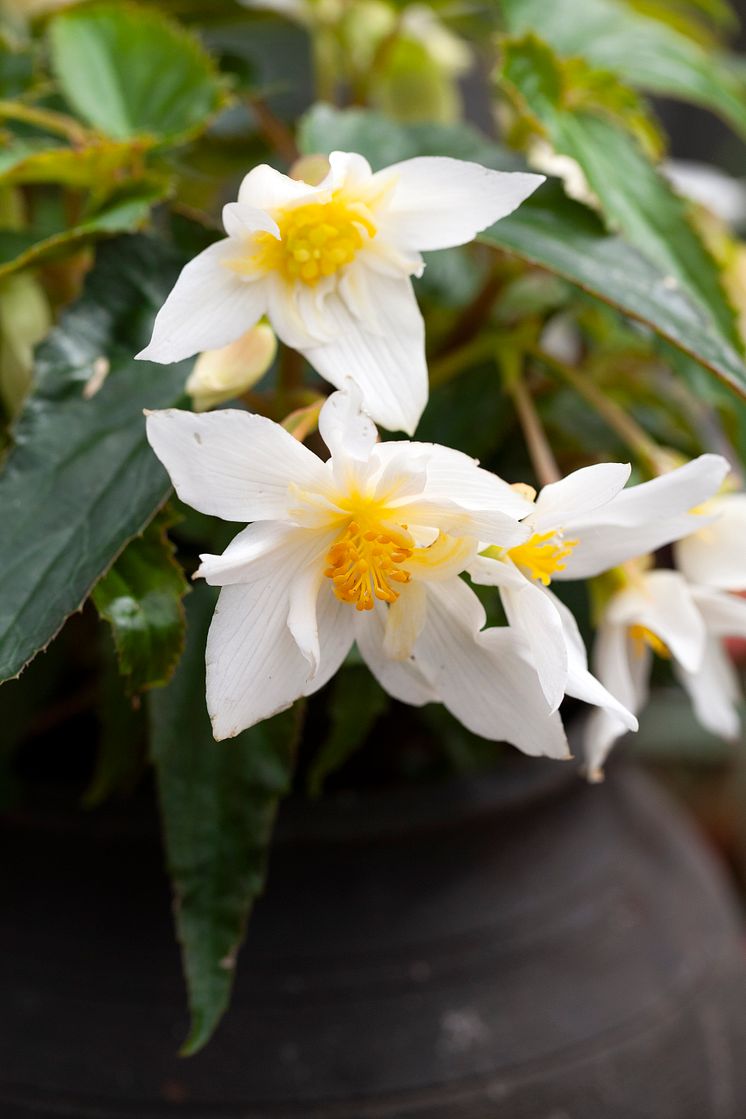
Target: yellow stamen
{"x":316,"y":240}
{"x":642,"y":636}
{"x":542,"y":555}
{"x":365,"y":561}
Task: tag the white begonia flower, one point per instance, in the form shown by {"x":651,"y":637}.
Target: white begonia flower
{"x":220,"y":375}
{"x":366,"y":547}
{"x":658,"y":611}
{"x":581,"y":526}
{"x":709,"y":186}
{"x":330,"y":266}
{"x":715,"y":555}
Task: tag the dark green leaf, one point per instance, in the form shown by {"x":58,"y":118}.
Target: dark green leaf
{"x":356,"y":702}
{"x":82,"y":480}
{"x":130,"y":71}
{"x":548,"y":230}
{"x":644,"y":51}
{"x":634,"y":196}
{"x":141,"y":598}
{"x":121,"y":743}
{"x":218,"y":805}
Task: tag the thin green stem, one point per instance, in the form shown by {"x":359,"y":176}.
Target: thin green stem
{"x":542,"y":456}
{"x":58,"y":123}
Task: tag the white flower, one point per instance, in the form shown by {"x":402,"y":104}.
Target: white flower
{"x":224,"y":374}
{"x":715,"y":555}
{"x":366,"y":547}
{"x":660,"y":612}
{"x":710,"y":187}
{"x":330,"y":266}
{"x":581,"y":526}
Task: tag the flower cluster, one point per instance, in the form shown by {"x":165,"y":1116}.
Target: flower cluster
{"x":381,"y":543}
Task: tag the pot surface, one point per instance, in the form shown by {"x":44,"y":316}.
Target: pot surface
{"x":520,"y":945}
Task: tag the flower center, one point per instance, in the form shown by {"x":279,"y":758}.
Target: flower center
{"x":542,"y":555}
{"x":316,"y":240}
{"x":642,"y":636}
{"x":364,"y":562}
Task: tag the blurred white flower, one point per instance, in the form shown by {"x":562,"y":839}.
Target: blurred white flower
{"x":366,"y":547}
{"x":715,"y":555}
{"x":542,"y":157}
{"x":581,"y":526}
{"x":220,"y":375}
{"x":720,"y":193}
{"x":330,"y":266}
{"x":659,"y":612}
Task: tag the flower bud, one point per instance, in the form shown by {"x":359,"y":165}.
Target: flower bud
{"x":220,"y":375}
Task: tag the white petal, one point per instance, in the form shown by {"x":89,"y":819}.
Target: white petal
{"x":454,"y":482}
{"x":254,"y":667}
{"x":347,"y":169}
{"x":599,"y":735}
{"x":582,"y":684}
{"x":714,"y":691}
{"x":724,"y":613}
{"x":233,"y":464}
{"x":403,"y":679}
{"x":266,"y":189}
{"x":239,"y":221}
{"x":208,"y":307}
{"x":624,"y":669}
{"x":250,"y":555}
{"x":665,"y":606}
{"x":440,"y":202}
{"x":485,"y":679}
{"x":715,"y":556}
{"x":389,"y":367}
{"x":642,"y":518}
{"x":345,"y":429}
{"x":405,"y":619}
{"x":335,"y":622}
{"x":533,"y":615}
{"x":579,"y":493}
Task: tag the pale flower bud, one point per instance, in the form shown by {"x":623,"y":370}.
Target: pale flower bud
{"x":220,"y":375}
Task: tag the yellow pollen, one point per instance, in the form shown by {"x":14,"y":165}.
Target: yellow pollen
{"x":364,"y":562}
{"x":541,"y":556}
{"x":316,"y":239}
{"x":643,"y":636}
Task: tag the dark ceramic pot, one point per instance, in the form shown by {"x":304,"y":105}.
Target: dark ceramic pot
{"x":521,"y":946}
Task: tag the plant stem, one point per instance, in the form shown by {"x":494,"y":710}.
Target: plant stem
{"x":58,"y":123}
{"x":626,"y":427}
{"x":289,"y":379}
{"x":542,"y":457}
{"x":451,"y":364}
{"x":274,"y":130}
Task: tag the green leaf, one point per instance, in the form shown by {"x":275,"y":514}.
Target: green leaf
{"x":81,"y":480}
{"x":130,"y":71}
{"x":102,"y":160}
{"x":356,"y":702}
{"x":646,"y":52}
{"x":43,"y":241}
{"x":549,"y":230}
{"x":218,"y":805}
{"x":141,"y":598}
{"x":634,"y":196}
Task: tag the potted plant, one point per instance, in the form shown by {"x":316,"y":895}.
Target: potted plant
{"x":431,"y":408}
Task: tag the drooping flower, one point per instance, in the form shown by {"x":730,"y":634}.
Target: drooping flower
{"x":367,"y":547}
{"x":220,"y":375}
{"x":330,"y":266}
{"x":581,"y":526}
{"x":657,"y":612}
{"x":715,"y":554}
